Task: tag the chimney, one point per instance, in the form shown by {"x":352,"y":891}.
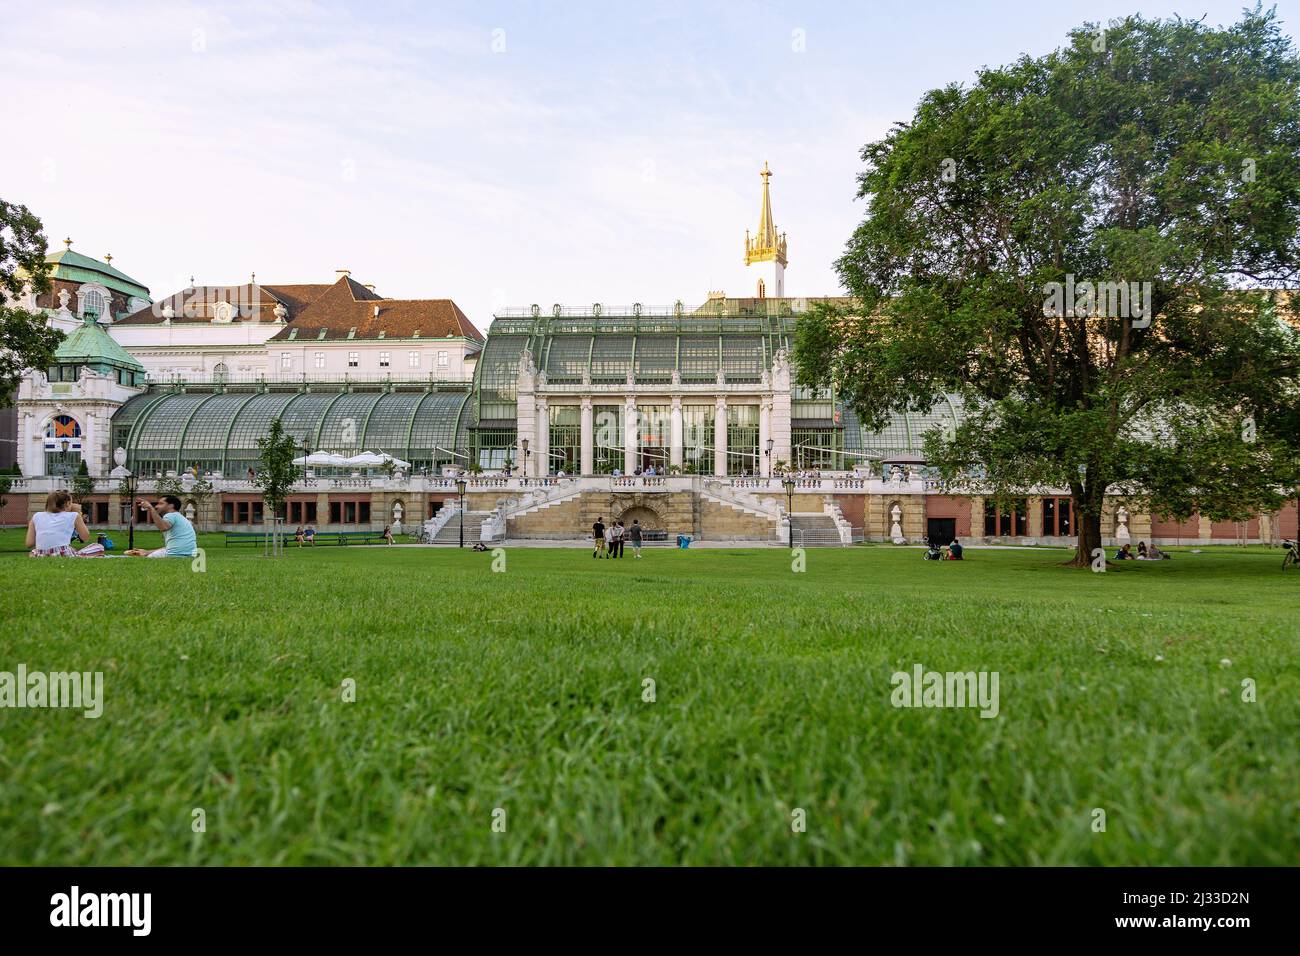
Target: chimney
{"x":371,"y":287}
{"x":376,"y":312}
{"x":341,"y":274}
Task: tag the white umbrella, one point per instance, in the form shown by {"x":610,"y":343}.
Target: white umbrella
{"x":322,"y":459}
{"x":397,"y":462}
{"x":367,"y":459}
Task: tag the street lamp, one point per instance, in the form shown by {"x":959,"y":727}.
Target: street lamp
{"x":129,"y":485}
{"x":768,"y":452}
{"x":788,"y":485}
{"x":523,"y":445}
{"x":460,"y":491}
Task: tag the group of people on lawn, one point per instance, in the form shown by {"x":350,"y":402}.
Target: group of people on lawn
{"x":610,"y":539}
{"x":50,"y":532}
{"x":1143,"y":553}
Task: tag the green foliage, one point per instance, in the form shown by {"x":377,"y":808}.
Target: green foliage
{"x":26,"y":341}
{"x":276,"y":471}
{"x":6,"y":485}
{"x":1169,"y":154}
{"x":82,"y":485}
{"x":773,"y":692}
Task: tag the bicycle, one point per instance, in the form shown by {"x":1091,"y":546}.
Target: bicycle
{"x":1292,"y":556}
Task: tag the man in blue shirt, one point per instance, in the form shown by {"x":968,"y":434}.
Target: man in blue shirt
{"x":179,"y":540}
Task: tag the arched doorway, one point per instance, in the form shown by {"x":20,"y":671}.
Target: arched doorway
{"x":650,"y":519}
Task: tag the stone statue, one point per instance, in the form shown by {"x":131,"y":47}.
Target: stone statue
{"x":397,"y":517}
{"x":896,"y":528}
{"x":1121,"y":529}
{"x":677,"y":377}
{"x":64,"y":297}
{"x":281,"y":313}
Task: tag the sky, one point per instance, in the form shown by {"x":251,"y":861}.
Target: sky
{"x":497,"y":154}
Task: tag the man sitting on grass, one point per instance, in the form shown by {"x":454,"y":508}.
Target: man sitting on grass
{"x":178,"y":533}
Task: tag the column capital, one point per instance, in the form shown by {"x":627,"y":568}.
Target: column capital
{"x":720,"y":402}
{"x":677,"y":403}
{"x":587,"y":403}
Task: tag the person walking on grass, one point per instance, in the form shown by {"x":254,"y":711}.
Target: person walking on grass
{"x":635,"y":533}
{"x":598,"y":535}
{"x":609,"y":540}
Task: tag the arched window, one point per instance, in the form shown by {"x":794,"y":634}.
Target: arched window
{"x":92,"y":303}
{"x":62,"y":446}
{"x":220,"y":373}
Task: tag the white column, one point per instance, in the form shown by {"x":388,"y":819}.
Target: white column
{"x":631,"y":433}
{"x":540,"y":459}
{"x":762,"y":466}
{"x":588,"y":437}
{"x":675,"y":433}
{"x":720,"y":436}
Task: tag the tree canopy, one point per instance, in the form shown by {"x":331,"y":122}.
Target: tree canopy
{"x":1092,"y":249}
{"x":26,"y":340}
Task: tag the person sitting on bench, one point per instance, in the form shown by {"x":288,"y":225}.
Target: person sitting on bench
{"x":178,"y":534}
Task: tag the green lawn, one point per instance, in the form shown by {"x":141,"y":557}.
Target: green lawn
{"x":523,"y":691}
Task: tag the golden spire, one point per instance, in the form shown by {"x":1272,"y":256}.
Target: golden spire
{"x":767,"y":245}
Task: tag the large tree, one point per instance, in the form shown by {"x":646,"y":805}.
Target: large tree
{"x":26,"y":340}
{"x":1153,"y":151}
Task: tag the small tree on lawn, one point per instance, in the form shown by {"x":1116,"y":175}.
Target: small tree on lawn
{"x":276,"y":472}
{"x":200,"y":491}
{"x":82,"y":485}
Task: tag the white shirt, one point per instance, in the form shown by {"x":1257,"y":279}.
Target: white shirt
{"x":54,"y":529}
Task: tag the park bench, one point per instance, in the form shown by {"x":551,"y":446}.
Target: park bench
{"x":322,"y":537}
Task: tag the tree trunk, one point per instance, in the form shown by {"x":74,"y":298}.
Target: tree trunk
{"x":1088,"y":508}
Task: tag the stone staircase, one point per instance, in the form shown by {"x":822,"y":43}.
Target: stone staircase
{"x":450,"y":532}
{"x":815,"y":531}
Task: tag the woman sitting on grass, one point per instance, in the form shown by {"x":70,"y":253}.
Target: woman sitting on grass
{"x":49,"y":533}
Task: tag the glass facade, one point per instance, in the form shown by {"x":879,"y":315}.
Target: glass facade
{"x":697,"y":439}
{"x":654,"y":432}
{"x":566,"y":439}
{"x":218,"y":431}
{"x":742,"y":440}
{"x":608,"y":438}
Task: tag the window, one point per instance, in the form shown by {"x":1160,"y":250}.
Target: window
{"x":92,"y":303}
{"x":353,"y":359}
{"x":320,"y":359}
{"x":286,"y":360}
{"x":413,"y":359}
{"x":219,"y":372}
{"x":442,"y":359}
{"x":227,"y":512}
{"x":383,"y":359}
{"x":349,"y":512}
{"x":1011,"y":519}
{"x":302,"y":512}
{"x":1057,"y":513}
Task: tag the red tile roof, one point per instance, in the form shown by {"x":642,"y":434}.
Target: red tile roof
{"x":351,"y":308}
{"x":337,"y":309}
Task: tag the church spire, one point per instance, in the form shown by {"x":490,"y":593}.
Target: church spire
{"x":766,"y":246}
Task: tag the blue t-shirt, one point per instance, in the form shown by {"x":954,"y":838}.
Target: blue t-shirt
{"x":180,"y":539}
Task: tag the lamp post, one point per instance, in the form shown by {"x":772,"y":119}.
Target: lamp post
{"x":460,"y":492}
{"x":129,"y":485}
{"x":523,"y":446}
{"x":768,"y":452}
{"x":788,"y":485}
